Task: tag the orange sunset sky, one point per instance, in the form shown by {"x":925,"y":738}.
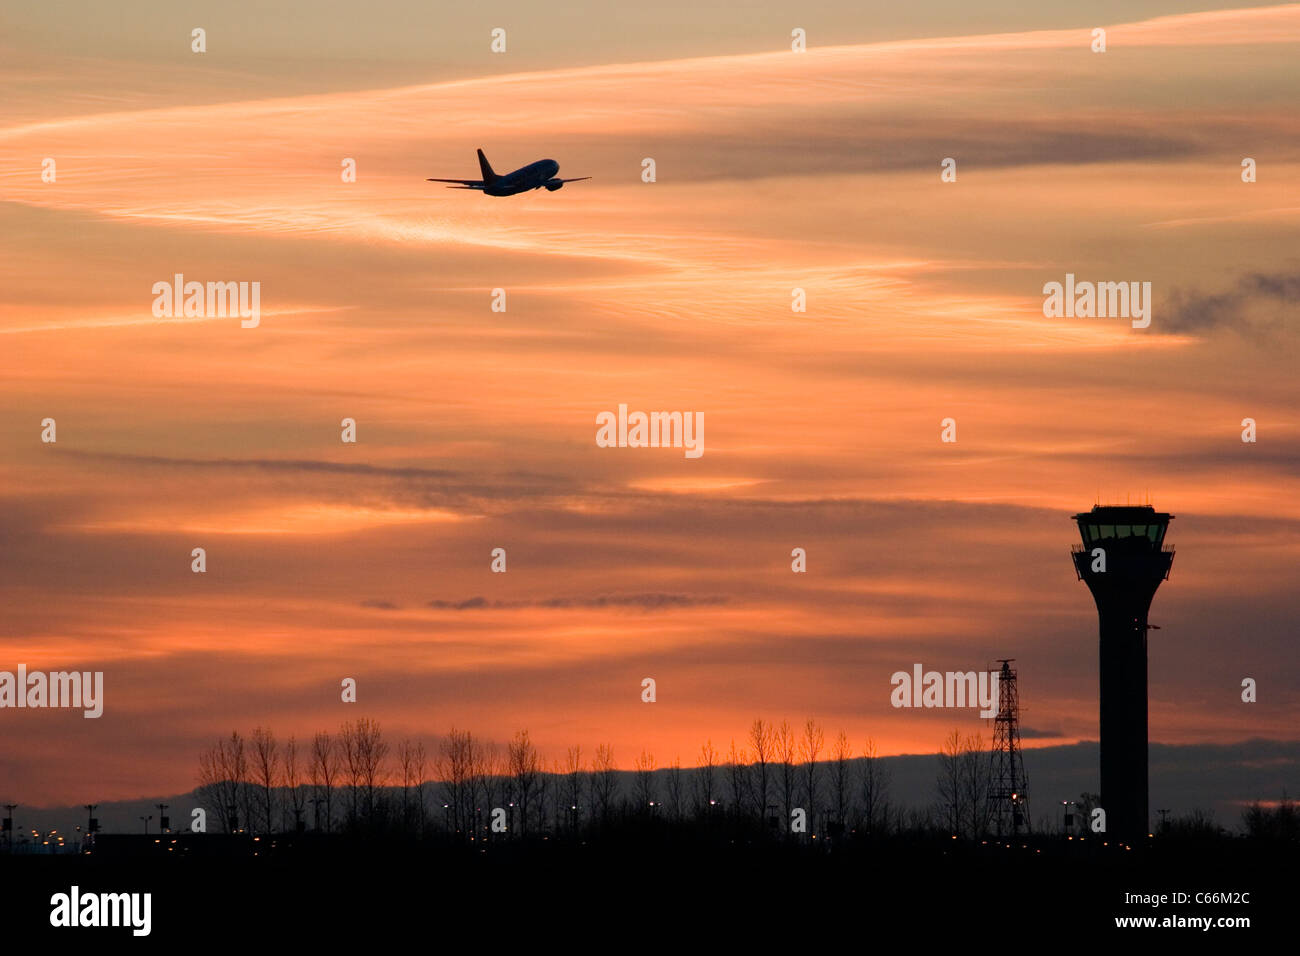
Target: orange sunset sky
{"x":476,"y":429}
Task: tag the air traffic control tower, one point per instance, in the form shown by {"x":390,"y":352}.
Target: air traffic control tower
{"x":1123,"y":560}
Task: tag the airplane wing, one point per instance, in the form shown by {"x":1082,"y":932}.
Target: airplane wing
{"x":578,"y":180}
{"x":464,"y":183}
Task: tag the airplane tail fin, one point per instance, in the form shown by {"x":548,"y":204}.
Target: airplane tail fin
{"x":486,"y":167}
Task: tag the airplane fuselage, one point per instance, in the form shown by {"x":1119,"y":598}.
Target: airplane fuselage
{"x":533,"y":176}
{"x":538,"y":175}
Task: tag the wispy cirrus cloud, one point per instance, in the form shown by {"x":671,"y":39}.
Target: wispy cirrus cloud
{"x":639,"y":602}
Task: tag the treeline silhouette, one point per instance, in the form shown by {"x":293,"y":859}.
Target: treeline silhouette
{"x":355,"y":781}
{"x":779,"y":782}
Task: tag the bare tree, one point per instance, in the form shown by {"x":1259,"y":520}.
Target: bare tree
{"x":266,"y":764}
{"x":525,"y":768}
{"x":324,"y":771}
{"x":964,"y":784}
{"x":976,"y":784}
{"x":237,"y":761}
{"x":353,"y":770}
{"x":786,"y":752}
{"x":546,"y":782}
{"x":376,"y":753}
{"x":1280,"y":823}
{"x":487,"y":785}
{"x":364,"y":759}
{"x":406,"y":770}
{"x":949,"y":783}
{"x":814,"y":739}
{"x":706,"y":778}
{"x":211,"y":785}
{"x":223,"y":772}
{"x":647,"y":790}
{"x":761,"y":740}
{"x":421,"y":761}
{"x":875,"y":790}
{"x":675,"y":788}
{"x":841,"y":771}
{"x":411,"y":765}
{"x":573,"y":785}
{"x":604,"y":780}
{"x":456,"y":764}
{"x":293,"y":781}
{"x":737,"y":779}
{"x":876,"y":781}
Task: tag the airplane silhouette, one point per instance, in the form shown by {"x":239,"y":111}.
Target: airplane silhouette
{"x":533,"y":176}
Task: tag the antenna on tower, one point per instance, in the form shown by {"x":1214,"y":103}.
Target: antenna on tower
{"x":1009,"y":792}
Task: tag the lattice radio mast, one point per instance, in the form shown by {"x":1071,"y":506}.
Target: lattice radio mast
{"x":1009,"y":787}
